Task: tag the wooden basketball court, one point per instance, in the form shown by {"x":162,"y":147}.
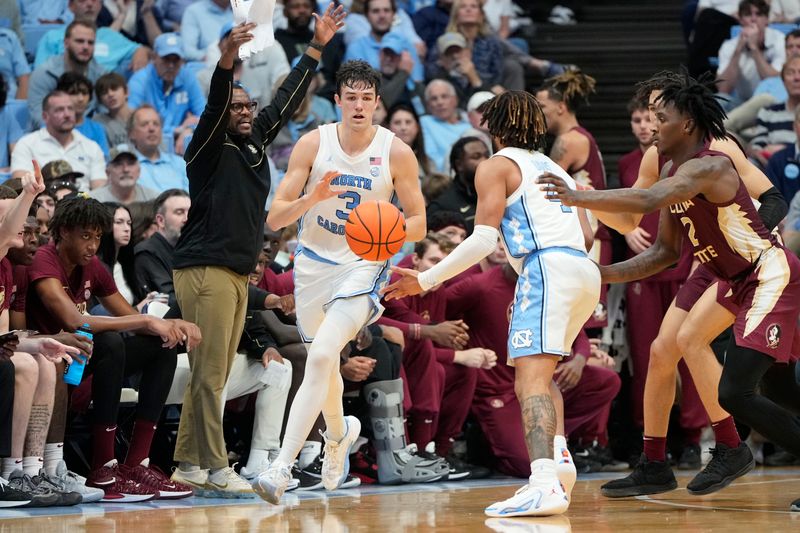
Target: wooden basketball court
{"x":759,"y":503}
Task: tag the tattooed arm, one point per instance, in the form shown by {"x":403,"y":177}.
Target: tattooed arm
{"x":570,"y":151}
{"x":665,"y":252}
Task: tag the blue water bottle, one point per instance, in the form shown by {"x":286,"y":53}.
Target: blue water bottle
{"x":74,"y":371}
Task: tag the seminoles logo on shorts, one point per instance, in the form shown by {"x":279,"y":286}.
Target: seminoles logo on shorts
{"x":522,"y":339}
{"x":600,"y":311}
{"x":773,"y":336}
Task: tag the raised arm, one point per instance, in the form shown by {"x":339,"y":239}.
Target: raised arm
{"x":405,"y":170}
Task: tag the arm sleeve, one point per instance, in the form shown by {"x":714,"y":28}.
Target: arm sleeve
{"x":773,"y":208}
{"x":445,"y":356}
{"x":581,"y":345}
{"x":190,"y":32}
{"x":136,"y":89}
{"x":481,"y":243}
{"x":461,"y":297}
{"x":725,"y":54}
{"x":402,"y":326}
{"x":255,"y":298}
{"x":21,"y":157}
{"x":41,"y":83}
{"x":20,"y":64}
{"x":197,"y":100}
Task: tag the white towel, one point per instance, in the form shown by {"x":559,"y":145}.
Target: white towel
{"x":259,"y":12}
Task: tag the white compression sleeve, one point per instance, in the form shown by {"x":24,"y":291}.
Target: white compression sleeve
{"x":481,"y":243}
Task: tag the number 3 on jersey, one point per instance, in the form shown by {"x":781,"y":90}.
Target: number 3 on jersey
{"x":353,"y":199}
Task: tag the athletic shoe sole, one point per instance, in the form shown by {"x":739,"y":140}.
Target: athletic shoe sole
{"x":725,"y":481}
{"x":640,"y":490}
{"x":7,"y":504}
{"x":207,"y":492}
{"x":268,"y":493}
{"x":129,"y":498}
{"x":795,"y":506}
{"x":552,"y":510}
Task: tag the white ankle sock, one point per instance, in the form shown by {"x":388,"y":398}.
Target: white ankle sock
{"x":543,"y":472}
{"x":311,"y":449}
{"x":53,"y":454}
{"x":32,"y":464}
{"x":10,"y":464}
{"x":559,"y":441}
{"x":257,"y":457}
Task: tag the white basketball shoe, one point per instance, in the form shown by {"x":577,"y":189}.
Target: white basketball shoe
{"x":336,"y":455}
{"x":565,"y":466}
{"x":542,"y":496}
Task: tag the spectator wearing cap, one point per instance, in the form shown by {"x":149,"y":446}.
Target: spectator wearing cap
{"x":201,"y":24}
{"x":57,"y":174}
{"x":58,"y":139}
{"x":475,"y":115}
{"x":460,"y":195}
{"x":167,"y":86}
{"x":380,"y":14}
{"x":79,"y":88}
{"x":453,"y":62}
{"x":396,"y":66}
{"x":259,"y":73}
{"x":123,"y":171}
{"x":111,"y":90}
{"x":13,"y":65}
{"x":445,"y":123}
{"x":112,"y":50}
{"x":160,"y":170}
{"x":76,"y":55}
{"x":295,"y":37}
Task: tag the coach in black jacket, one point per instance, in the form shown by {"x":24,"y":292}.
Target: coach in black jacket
{"x":229,"y":180}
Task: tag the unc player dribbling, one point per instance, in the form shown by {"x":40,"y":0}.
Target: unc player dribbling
{"x":557,"y":290}
{"x":331,"y":171}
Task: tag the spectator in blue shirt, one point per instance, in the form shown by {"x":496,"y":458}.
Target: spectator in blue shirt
{"x":13,"y":65}
{"x":77,"y":56}
{"x":169,"y":87}
{"x":44,"y":12}
{"x":159,"y":170}
{"x":10,"y":130}
{"x":380,"y":14}
{"x":113,"y":50}
{"x":445,"y":124}
{"x":201,"y":24}
{"x":79,"y":88}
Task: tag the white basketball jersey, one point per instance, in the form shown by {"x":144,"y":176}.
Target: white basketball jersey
{"x":531,"y":221}
{"x":366,"y":177}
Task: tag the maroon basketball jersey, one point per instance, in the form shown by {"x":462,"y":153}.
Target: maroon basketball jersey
{"x":592,"y":173}
{"x":729,"y":237}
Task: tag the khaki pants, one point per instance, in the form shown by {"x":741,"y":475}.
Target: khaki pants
{"x":214,"y":298}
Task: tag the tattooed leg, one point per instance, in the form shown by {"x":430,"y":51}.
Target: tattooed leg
{"x":39,"y":421}
{"x":533,"y":378}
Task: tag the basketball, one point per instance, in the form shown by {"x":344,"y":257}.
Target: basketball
{"x":375,"y":231}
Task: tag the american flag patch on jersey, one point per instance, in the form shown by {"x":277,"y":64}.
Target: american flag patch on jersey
{"x":374,"y":160}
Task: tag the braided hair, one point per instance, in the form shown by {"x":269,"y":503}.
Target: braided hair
{"x":696,"y":99}
{"x":656,"y":82}
{"x":515,"y":118}
{"x":80,"y":212}
{"x":572,"y":87}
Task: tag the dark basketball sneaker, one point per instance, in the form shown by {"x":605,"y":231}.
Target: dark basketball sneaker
{"x":690,"y":458}
{"x":475,"y":471}
{"x":795,"y":505}
{"x":726,"y":465}
{"x":649,"y":477}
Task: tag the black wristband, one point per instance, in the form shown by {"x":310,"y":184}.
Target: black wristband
{"x":773,"y":208}
{"x":316,"y":46}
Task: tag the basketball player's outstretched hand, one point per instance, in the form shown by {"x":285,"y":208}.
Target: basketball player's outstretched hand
{"x":556,"y":188}
{"x":329,"y":23}
{"x":407,"y":285}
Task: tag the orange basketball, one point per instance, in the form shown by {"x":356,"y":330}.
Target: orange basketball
{"x":375,"y":231}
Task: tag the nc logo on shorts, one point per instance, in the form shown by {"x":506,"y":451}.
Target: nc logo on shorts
{"x":522,"y":339}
